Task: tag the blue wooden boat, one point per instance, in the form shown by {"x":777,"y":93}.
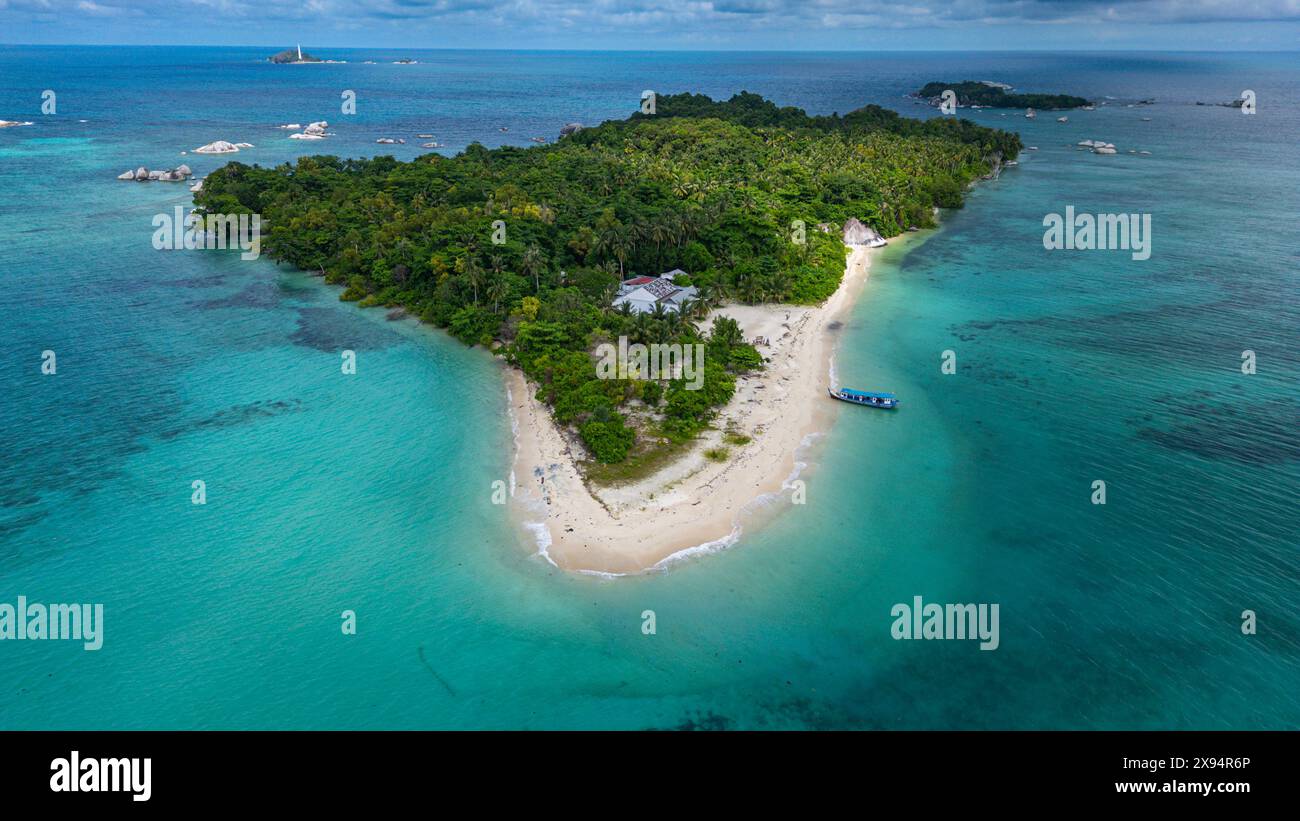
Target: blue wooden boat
{"x":871,"y":400}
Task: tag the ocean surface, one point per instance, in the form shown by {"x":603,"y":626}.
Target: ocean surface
{"x":373,"y":492}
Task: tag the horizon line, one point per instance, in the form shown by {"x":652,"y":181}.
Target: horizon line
{"x":682,"y":50}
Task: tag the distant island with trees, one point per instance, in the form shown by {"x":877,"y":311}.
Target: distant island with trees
{"x":991,"y":95}
{"x":294,"y":55}
{"x":524,"y":249}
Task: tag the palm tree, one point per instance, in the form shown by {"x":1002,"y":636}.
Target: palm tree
{"x":750,"y":288}
{"x":642,"y":326}
{"x":660,"y":328}
{"x":474,"y":275}
{"x":672,"y":322}
{"x":780,"y":283}
{"x":687,"y":310}
{"x":531,"y":264}
{"x":615,"y":241}
{"x":660,"y":231}
{"x":713,"y":294}
{"x":497,"y":291}
{"x":621,"y":248}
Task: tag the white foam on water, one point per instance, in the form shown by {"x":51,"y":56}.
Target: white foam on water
{"x":700,"y":549}
{"x":514,"y":434}
{"x":537,"y":527}
{"x":542,"y":535}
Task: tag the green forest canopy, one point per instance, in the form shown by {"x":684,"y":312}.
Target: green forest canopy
{"x":712,"y":187}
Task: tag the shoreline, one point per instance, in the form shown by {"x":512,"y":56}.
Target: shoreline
{"x":692,"y":506}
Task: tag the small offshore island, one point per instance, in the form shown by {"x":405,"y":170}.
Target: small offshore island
{"x":293,"y":56}
{"x":985,"y":94}
{"x":737,"y":228}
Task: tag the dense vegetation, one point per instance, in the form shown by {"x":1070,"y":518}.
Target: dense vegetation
{"x":718,"y":189}
{"x":972,"y":92}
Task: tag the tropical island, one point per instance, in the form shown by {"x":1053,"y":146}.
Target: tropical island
{"x":718,"y":224}
{"x":995,"y":95}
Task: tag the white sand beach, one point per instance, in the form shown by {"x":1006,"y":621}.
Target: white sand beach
{"x":693,"y":504}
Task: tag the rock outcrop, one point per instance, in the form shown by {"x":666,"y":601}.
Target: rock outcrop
{"x":313,"y":131}
{"x":855,"y":233}
{"x":218,"y":147}
{"x":142,"y":174}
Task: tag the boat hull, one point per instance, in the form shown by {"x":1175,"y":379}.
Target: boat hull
{"x":882,"y":401}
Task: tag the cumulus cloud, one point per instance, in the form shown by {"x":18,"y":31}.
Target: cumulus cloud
{"x":616,"y":12}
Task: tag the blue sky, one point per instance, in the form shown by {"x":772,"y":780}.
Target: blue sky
{"x":664,"y":24}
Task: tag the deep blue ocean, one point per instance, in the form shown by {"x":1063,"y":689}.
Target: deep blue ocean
{"x":372,"y":492}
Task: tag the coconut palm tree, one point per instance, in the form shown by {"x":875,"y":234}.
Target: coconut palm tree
{"x":660,"y":232}
{"x":615,"y":241}
{"x":710,"y":295}
{"x":532,"y":264}
{"x":498,"y":290}
{"x":642,"y":328}
{"x":687,"y":310}
{"x":474,"y":275}
{"x":777,"y":284}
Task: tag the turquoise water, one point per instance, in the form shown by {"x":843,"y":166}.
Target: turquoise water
{"x":372,"y":492}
